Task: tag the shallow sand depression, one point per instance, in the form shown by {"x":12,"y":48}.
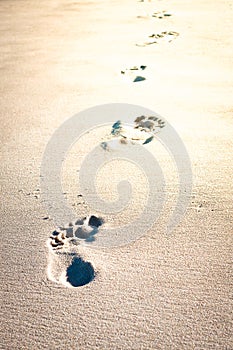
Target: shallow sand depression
{"x":160,"y":291}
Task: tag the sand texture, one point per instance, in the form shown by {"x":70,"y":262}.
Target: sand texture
{"x":58,"y":58}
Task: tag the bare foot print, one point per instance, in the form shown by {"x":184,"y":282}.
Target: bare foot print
{"x":159,"y":38}
{"x":67,"y":264}
{"x":134,"y":74}
{"x":142,"y":132}
{"x":161,"y":14}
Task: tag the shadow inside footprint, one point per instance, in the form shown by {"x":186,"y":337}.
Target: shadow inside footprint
{"x":80,"y":272}
{"x":138,"y":78}
{"x":94,"y":221}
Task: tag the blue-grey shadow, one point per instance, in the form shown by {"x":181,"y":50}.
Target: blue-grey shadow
{"x":80,"y":272}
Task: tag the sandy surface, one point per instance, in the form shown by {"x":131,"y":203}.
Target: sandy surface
{"x":60,"y":57}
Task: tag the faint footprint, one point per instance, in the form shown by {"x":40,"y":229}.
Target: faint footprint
{"x":134,"y":73}
{"x":66,"y":262}
{"x":158,"y":38}
{"x":142,"y":132}
{"x":161,"y":14}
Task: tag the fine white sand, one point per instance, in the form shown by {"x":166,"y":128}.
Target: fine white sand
{"x":161,"y":292}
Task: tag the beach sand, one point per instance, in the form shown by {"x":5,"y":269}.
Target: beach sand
{"x":161,"y":291}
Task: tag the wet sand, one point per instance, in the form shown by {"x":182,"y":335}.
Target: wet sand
{"x":160,"y":292}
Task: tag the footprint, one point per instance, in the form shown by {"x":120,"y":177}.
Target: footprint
{"x":158,"y":38}
{"x":142,"y":132}
{"x":134,"y":73}
{"x":161,"y":14}
{"x":66,"y":262}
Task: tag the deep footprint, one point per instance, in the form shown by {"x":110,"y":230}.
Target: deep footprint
{"x":65,"y":263}
{"x":80,"y":272}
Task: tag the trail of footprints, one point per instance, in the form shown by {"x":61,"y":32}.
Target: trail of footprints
{"x":155,"y":38}
{"x":66,"y":265}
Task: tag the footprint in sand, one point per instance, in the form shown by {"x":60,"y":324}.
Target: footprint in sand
{"x":134,"y":74}
{"x":159,"y":38}
{"x":66,"y":263}
{"x":161,"y":14}
{"x":142,"y":132}
{"x":68,"y":259}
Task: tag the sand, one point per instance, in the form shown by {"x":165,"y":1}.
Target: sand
{"x":159,"y":292}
